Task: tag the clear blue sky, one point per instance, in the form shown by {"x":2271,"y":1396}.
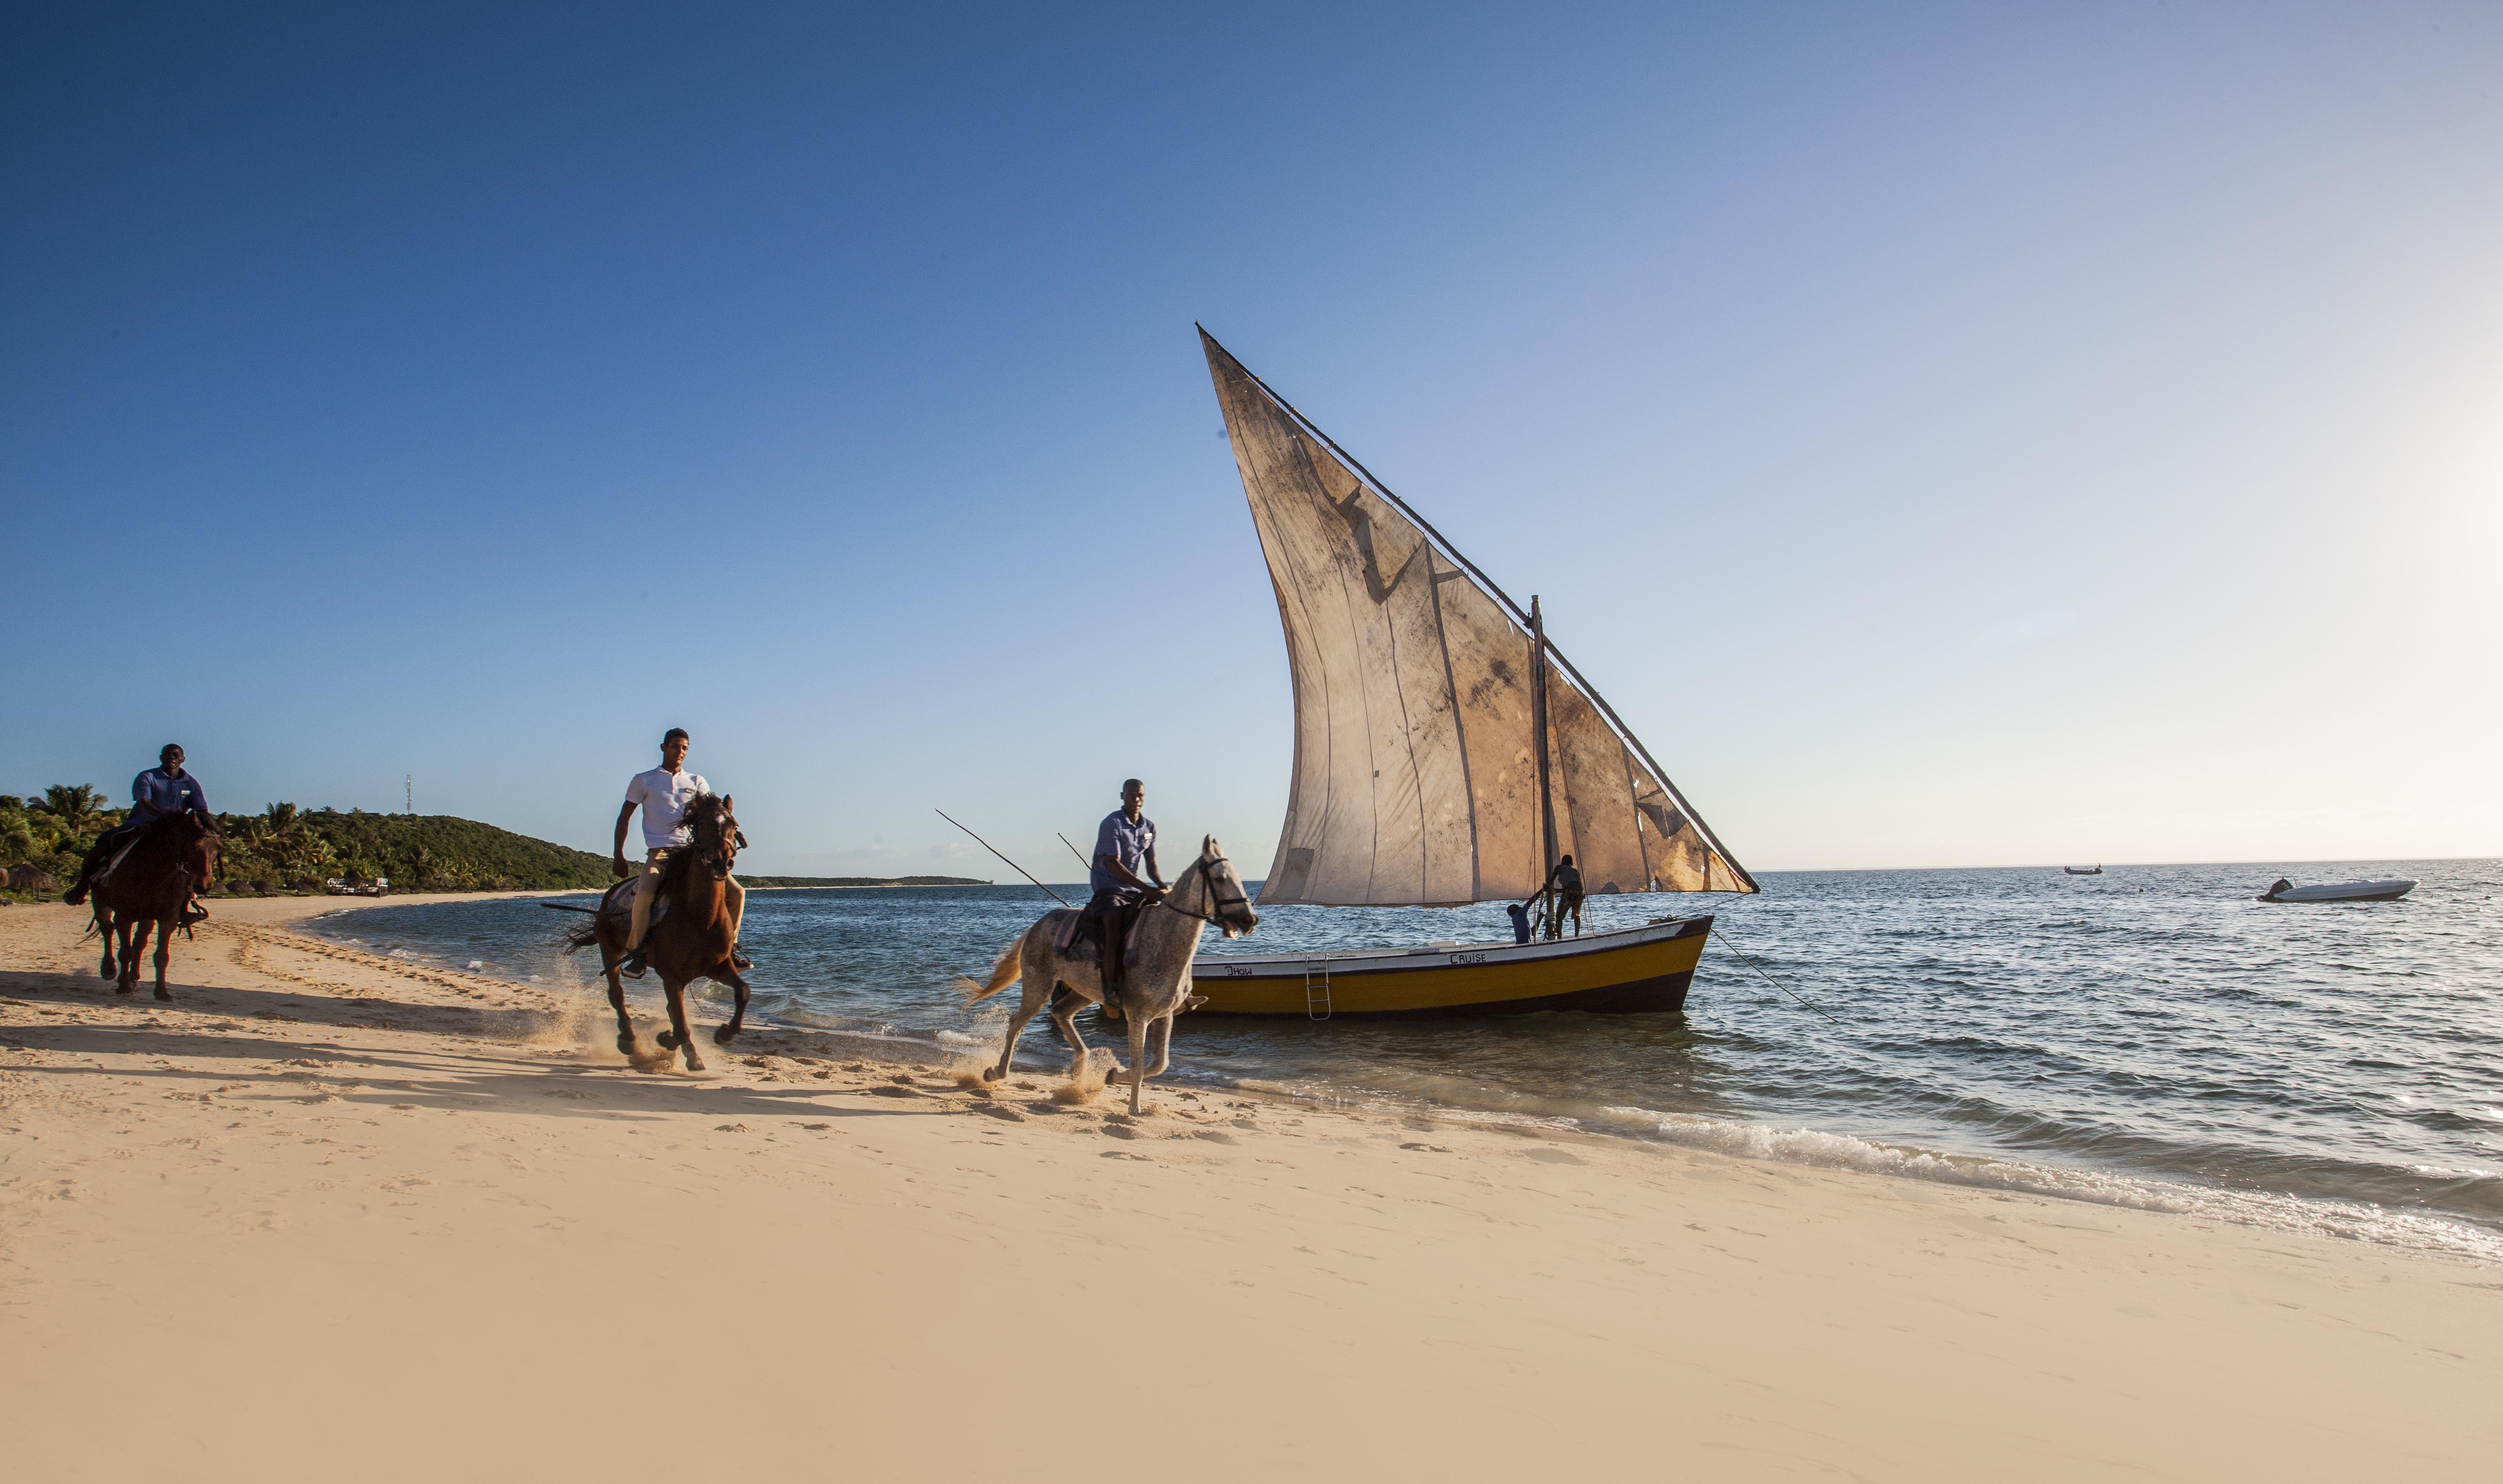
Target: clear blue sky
{"x":1950,"y":435}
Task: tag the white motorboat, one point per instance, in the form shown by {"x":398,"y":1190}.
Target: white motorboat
{"x":2345,"y":890}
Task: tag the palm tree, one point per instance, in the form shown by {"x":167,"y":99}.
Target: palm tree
{"x":75,"y":805}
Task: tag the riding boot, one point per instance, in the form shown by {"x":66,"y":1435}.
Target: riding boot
{"x":75,"y":896}
{"x":631,"y":966}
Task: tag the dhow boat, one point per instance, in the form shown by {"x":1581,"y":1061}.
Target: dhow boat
{"x":1445,"y":753}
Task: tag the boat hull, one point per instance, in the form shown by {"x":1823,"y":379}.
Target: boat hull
{"x":1636,"y":971}
{"x":2345,"y":890}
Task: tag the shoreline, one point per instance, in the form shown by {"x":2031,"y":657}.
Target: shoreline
{"x":336,"y":1197}
{"x":2346,"y":1218}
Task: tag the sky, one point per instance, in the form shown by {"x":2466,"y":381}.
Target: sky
{"x":1953,"y":435}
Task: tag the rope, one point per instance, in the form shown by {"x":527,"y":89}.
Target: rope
{"x":1760,"y":968}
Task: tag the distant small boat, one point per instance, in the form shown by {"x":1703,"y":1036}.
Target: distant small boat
{"x":2285,"y":891}
{"x":2083,"y":870}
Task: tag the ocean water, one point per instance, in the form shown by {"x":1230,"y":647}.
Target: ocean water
{"x":2151,"y":1036}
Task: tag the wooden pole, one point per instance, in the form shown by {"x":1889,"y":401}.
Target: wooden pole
{"x":1012,"y":865}
{"x":1538,"y":738}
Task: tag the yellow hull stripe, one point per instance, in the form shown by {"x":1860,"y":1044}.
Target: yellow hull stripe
{"x":1439,"y":983}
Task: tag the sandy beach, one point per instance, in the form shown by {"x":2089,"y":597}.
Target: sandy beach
{"x":333,"y":1216}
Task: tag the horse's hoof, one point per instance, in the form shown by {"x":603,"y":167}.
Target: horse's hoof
{"x":163,"y":993}
{"x":666,"y":1040}
{"x":626,"y":1043}
{"x":721,"y":1037}
{"x":695,"y":1063}
{"x":990,"y":1074}
{"x":125,"y":988}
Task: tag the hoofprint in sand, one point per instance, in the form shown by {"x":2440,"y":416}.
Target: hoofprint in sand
{"x":330,"y":1215}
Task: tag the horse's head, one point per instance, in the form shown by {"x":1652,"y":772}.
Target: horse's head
{"x":1228,"y":901}
{"x":715,"y":828}
{"x":195,"y":844}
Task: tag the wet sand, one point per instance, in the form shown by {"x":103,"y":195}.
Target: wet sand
{"x":333,"y":1216}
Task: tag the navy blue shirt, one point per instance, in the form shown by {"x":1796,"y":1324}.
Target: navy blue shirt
{"x":1124,"y":842}
{"x":155,"y":793}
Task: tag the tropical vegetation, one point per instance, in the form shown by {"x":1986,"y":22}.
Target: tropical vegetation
{"x":284,"y":848}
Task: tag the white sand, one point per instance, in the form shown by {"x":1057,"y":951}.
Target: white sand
{"x":326,"y":1217}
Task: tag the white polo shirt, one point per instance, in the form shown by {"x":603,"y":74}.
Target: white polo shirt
{"x":665,"y":796}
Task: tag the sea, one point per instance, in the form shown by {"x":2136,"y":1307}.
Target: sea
{"x":2150,"y":1037}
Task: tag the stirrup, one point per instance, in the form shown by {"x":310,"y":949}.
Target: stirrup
{"x":740,"y":961}
{"x":633,"y":964}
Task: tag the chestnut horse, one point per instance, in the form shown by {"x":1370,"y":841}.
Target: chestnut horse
{"x":151,"y":884}
{"x":688,"y":941}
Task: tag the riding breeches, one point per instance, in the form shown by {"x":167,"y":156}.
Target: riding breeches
{"x":734,"y":895}
{"x":1113,"y":913}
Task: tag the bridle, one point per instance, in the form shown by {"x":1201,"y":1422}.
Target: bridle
{"x":722,"y":851}
{"x":1207,"y":880}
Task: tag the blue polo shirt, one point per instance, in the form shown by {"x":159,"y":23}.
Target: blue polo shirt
{"x":155,"y":793}
{"x":1125,"y":842}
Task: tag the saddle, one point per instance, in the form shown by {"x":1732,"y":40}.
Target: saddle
{"x":123,"y":852}
{"x":1080,"y":937}
{"x":618,"y":905}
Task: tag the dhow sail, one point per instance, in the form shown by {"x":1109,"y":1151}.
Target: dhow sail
{"x":1419,"y":777}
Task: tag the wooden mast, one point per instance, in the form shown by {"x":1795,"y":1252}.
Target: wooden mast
{"x":1538,"y":738}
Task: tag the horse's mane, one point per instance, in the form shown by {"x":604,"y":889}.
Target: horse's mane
{"x":704,"y":822}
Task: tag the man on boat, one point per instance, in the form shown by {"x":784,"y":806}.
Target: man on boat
{"x":1565,"y":881}
{"x":664,"y":794}
{"x":1126,"y":845}
{"x":160,"y":793}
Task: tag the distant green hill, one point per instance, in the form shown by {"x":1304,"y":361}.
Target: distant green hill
{"x":442,"y":852}
{"x":286,"y":848}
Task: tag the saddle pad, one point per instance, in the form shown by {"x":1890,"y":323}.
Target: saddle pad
{"x":98,"y":879}
{"x":619,"y":905}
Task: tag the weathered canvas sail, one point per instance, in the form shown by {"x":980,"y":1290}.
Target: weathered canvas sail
{"x":1416,"y":780}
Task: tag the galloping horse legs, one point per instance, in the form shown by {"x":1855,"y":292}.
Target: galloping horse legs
{"x":104,"y":934}
{"x":680,"y":1039}
{"x":1138,"y":1059}
{"x":739,"y":1012}
{"x":134,"y":942}
{"x":164,"y":951}
{"x":1064,"y":1014}
{"x":617,"y":1002}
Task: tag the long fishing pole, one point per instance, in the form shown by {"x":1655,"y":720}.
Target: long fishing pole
{"x":1075,"y":851}
{"x":1012,"y":865}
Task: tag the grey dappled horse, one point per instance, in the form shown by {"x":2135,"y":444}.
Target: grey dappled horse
{"x":1158,"y":967}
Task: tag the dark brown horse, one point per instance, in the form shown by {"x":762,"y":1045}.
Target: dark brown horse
{"x":690,"y":940}
{"x":150,"y":886}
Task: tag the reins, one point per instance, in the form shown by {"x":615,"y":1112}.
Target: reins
{"x":1207,"y":880}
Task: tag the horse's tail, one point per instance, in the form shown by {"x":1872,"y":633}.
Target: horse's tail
{"x":1003,"y":973}
{"x":577,"y":939}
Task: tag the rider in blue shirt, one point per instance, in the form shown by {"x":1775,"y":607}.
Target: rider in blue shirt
{"x":1126,"y":845}
{"x":160,"y":793}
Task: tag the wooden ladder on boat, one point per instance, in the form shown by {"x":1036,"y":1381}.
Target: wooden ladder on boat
{"x":1317,"y":999}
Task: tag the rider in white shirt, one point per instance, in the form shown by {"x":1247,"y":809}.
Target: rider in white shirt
{"x":664,"y":793}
